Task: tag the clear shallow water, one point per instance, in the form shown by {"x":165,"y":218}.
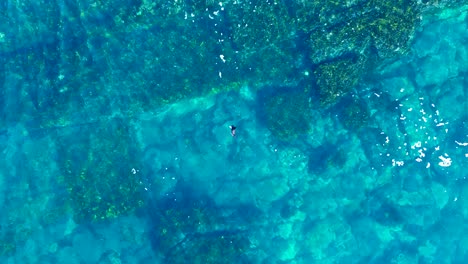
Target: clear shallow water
{"x":111,"y":178}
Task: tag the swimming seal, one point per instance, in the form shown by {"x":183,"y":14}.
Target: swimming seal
{"x":233,"y":130}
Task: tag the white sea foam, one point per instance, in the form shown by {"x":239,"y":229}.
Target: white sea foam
{"x":445,"y":162}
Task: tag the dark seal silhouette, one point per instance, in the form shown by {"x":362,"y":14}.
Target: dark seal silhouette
{"x":233,"y":130}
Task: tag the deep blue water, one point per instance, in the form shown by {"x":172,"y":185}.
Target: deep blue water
{"x":101,"y":165}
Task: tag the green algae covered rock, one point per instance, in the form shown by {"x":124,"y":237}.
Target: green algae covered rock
{"x":7,"y":246}
{"x":336,"y":78}
{"x":287,"y":114}
{"x":348,"y":38}
{"x":211,"y":248}
{"x":263,"y":37}
{"x":355,"y":115}
{"x":99,"y":170}
{"x":176,"y":221}
{"x":339,"y":27}
{"x":393,"y":25}
{"x":193,"y":230}
{"x":333,"y":28}
{"x":144,"y":54}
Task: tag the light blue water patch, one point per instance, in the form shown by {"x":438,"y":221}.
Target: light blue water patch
{"x":425,"y":140}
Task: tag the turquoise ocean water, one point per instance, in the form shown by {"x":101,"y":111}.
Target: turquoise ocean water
{"x":116,"y":147}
